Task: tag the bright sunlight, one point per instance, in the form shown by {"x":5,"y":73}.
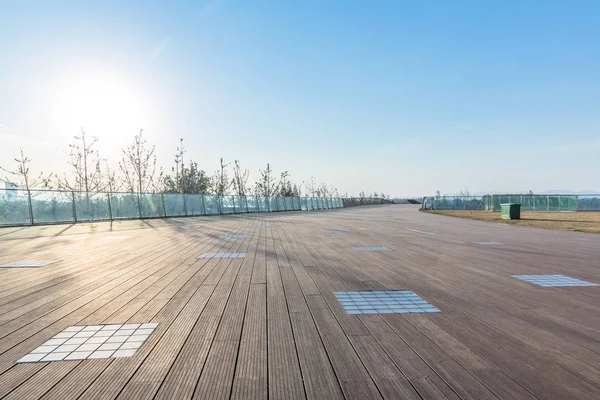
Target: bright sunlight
{"x":102,"y":102}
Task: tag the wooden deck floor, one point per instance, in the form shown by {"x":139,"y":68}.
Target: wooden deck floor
{"x":270,"y":326}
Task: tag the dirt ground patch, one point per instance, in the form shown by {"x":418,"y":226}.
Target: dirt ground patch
{"x":568,"y":221}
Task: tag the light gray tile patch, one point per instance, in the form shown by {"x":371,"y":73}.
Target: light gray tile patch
{"x":78,"y":355}
{"x":370,"y":248}
{"x":383,"y":302}
{"x":96,"y":341}
{"x":553,"y":280}
{"x":222,"y":255}
{"x":488,"y":243}
{"x":124,"y":353}
{"x":29,"y":264}
{"x":232,"y":235}
{"x":338,"y":233}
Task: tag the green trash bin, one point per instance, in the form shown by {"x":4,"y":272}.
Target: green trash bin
{"x":510,"y":211}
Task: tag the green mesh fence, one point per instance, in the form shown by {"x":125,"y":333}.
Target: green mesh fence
{"x":529,"y":202}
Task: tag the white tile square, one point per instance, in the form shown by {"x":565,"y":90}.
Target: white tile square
{"x":32,"y":358}
{"x":54,"y":357}
{"x":143,"y":331}
{"x":88,"y":347}
{"x":96,"y":340}
{"x":55,"y":342}
{"x":123,"y":353}
{"x":137,"y":338}
{"x":66,"y":348}
{"x":101,"y":354}
{"x":92,"y":328}
{"x":110,"y":346}
{"x":130,"y":345}
{"x":117,"y":339}
{"x":124,"y":332}
{"x":84,"y":334}
{"x":78,"y":355}
{"x":104,"y":333}
{"x":76,"y":341}
{"x":149,"y":325}
{"x":130,"y":326}
{"x":44,"y":349}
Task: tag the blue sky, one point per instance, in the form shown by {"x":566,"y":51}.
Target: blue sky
{"x":405,"y":97}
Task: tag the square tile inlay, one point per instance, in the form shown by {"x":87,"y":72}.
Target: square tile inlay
{"x":92,"y":341}
{"x":370,"y":248}
{"x":553,"y":280}
{"x":337,"y":233}
{"x":222,"y":255}
{"x":488,"y":243}
{"x":232,"y":235}
{"x":29,"y":264}
{"x":383,"y":302}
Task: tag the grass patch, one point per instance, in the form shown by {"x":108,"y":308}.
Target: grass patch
{"x":568,"y":221}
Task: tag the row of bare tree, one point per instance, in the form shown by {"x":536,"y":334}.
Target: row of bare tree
{"x":138,"y":172}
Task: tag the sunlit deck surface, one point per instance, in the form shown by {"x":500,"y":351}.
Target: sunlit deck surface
{"x":270,"y":326}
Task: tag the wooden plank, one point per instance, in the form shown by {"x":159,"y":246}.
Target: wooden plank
{"x":354,"y":379}
{"x":285,"y":378}
{"x":250,"y":381}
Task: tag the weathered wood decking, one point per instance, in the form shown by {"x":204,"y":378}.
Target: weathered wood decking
{"x":270,"y":326}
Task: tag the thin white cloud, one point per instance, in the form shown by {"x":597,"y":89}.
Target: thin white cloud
{"x":465,"y":126}
{"x":160,"y":47}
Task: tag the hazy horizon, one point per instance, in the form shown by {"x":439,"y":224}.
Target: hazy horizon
{"x":402,"y":97}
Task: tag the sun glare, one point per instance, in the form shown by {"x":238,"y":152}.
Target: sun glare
{"x":100,"y":102}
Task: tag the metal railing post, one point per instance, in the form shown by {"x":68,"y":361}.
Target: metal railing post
{"x":162,"y":200}
{"x":203,"y":206}
{"x":30,"y":206}
{"x":73,"y":204}
{"x":109,"y":207}
{"x":184,"y":205}
{"x":139,"y":205}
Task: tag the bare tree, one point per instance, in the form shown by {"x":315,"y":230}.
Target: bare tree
{"x":220,"y":180}
{"x":109,"y":179}
{"x":179,"y":160}
{"x":323,"y":190}
{"x":266,"y":185}
{"x":240,"y":179}
{"x":138,"y":166}
{"x":22,"y":174}
{"x":311,"y":187}
{"x":85,"y":164}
